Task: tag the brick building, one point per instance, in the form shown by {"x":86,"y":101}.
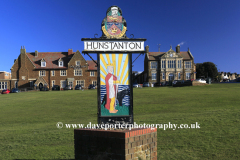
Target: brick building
{"x":5,"y":75}
{"x":5,"y":80}
{"x":168,"y":66}
{"x":52,"y":68}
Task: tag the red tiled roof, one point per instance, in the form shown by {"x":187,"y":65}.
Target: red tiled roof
{"x":92,"y":65}
{"x":51,"y":59}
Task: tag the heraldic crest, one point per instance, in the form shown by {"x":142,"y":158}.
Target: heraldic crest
{"x":114,"y":25}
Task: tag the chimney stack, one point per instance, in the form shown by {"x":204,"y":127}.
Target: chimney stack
{"x":36,"y":53}
{"x":178,"y":49}
{"x":147,"y":49}
{"x":70,"y":51}
{"x":23,"y":50}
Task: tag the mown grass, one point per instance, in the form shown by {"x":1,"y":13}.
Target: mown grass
{"x":28,"y":121}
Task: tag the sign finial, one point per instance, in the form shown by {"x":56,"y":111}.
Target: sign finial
{"x":114,"y":25}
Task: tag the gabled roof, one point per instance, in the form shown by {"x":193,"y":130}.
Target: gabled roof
{"x":92,"y":65}
{"x":157,"y":55}
{"x":185,"y":55}
{"x":51,"y":59}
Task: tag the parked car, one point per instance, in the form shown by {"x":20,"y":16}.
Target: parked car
{"x":158,"y":84}
{"x":201,"y":80}
{"x":78,"y":87}
{"x":135,"y":85}
{"x":5,"y":91}
{"x":15,"y":90}
{"x":146,"y":84}
{"x":68,"y":87}
{"x":44,"y":88}
{"x":56,"y":88}
{"x":175,"y":82}
{"x":91,"y":86}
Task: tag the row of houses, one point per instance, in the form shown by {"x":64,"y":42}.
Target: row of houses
{"x":227,"y":76}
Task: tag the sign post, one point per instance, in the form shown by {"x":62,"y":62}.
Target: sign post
{"x":114,"y":65}
{"x":115,"y":97}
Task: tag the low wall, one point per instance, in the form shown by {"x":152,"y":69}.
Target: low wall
{"x":125,"y":144}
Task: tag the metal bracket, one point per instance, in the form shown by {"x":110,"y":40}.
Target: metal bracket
{"x":91,"y":58}
{"x":137,"y":57}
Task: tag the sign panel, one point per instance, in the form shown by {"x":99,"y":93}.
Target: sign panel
{"x":114,"y":45}
{"x":115,"y":84}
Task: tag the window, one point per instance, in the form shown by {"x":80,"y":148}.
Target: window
{"x":70,"y":83}
{"x":63,"y":73}
{"x":43,"y":64}
{"x":53,"y":83}
{"x":188,"y":64}
{"x":179,"y":63}
{"x":77,"y":72}
{"x":163,"y":76}
{"x":188,"y":76}
{"x":171,"y":64}
{"x":42,"y":73}
{"x":31,"y":83}
{"x":153,"y":65}
{"x":163,"y":64}
{"x":60,"y":63}
{"x":77,"y":63}
{"x":91,"y":73}
{"x":179,"y":75}
{"x":153,"y":76}
{"x":63,"y":84}
{"x":6,"y":74}
{"x":94,"y":83}
{"x":80,"y":82}
{"x":3,"y":85}
{"x":53,"y":73}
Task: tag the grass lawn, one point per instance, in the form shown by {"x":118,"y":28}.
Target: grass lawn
{"x":28,"y":121}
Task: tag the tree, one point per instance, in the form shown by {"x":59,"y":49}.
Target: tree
{"x":206,"y":69}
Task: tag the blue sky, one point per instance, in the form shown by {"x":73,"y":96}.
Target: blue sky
{"x":211,"y":29}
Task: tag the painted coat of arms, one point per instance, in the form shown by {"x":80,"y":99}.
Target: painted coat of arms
{"x":114,"y":25}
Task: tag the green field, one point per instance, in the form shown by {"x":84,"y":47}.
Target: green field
{"x":28,"y":121}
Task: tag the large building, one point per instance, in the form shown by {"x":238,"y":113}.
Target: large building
{"x":38,"y":69}
{"x":168,"y":66}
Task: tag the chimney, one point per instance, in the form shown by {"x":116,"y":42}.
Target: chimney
{"x":178,"y":49}
{"x":147,"y":49}
{"x":23,"y":56}
{"x":70,"y":52}
{"x":36,"y":53}
{"x":22,"y":50}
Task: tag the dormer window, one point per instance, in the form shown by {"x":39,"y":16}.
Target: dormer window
{"x":60,"y":62}
{"x":43,"y":63}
